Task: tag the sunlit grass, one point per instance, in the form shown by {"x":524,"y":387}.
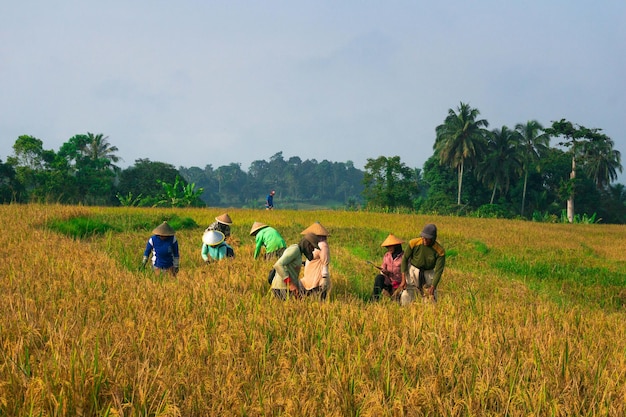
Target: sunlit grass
{"x":530,"y":321}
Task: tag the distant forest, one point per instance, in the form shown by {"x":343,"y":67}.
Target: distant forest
{"x":296,"y":182}
{"x":473,"y":171}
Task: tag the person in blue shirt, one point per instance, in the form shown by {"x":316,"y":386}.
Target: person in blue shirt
{"x":164,"y":249}
{"x":269,"y":202}
{"x":214,"y":247}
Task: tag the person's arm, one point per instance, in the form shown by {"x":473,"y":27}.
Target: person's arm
{"x":439,"y":266}
{"x":259,"y":244}
{"x":284,"y":266}
{"x":404,"y":268}
{"x":147,"y":252}
{"x":176,"y":255}
{"x":325,"y":259}
{"x":205,"y":252}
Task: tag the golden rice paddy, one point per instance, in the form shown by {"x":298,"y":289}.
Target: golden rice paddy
{"x":85,"y":332}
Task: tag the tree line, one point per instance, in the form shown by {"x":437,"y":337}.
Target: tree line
{"x":503,"y":172}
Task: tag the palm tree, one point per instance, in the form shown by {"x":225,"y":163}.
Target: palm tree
{"x":602,"y":161}
{"x":97,"y":147}
{"x":534,"y":144}
{"x":460,"y":140}
{"x":503,"y":160}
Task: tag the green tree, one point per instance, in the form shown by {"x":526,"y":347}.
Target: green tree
{"x":142,"y":179}
{"x":43,"y":175}
{"x":231,"y":181}
{"x":180,"y":194}
{"x":602,"y":162}
{"x":502,"y":161}
{"x":534,"y":144}
{"x":389,"y":183}
{"x":460,"y":140}
{"x":11,"y":189}
{"x":92,"y":158}
{"x":97,"y":147}
{"x":204,"y":179}
{"x":581,"y":142}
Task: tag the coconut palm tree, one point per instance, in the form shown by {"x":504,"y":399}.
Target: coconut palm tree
{"x":602,"y":162}
{"x":502,"y":161}
{"x":534,"y":143}
{"x":97,"y":147}
{"x":460,"y":140}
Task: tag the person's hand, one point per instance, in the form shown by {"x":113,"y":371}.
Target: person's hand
{"x":431,"y":291}
{"x":144,"y":261}
{"x":324,"y":282}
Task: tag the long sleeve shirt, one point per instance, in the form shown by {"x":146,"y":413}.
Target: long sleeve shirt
{"x":424,"y":257}
{"x":214,"y":252}
{"x":317,"y":269}
{"x":288,"y":265}
{"x":271,"y":239}
{"x":164,"y":251}
{"x":394,"y":266}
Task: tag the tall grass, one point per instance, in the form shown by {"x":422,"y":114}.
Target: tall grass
{"x":84,"y":331}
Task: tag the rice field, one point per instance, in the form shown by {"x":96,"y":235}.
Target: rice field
{"x":531,"y":321}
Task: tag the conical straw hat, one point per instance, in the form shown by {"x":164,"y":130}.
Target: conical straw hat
{"x":317,"y":229}
{"x":224,"y":218}
{"x":213,"y":237}
{"x":391,"y":240}
{"x":256,"y":227}
{"x":164,"y":229}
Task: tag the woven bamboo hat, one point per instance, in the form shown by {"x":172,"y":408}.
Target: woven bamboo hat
{"x":391,"y":240}
{"x":213,"y":237}
{"x":317,"y":229}
{"x":224,"y":218}
{"x":164,"y":229}
{"x":256,"y":227}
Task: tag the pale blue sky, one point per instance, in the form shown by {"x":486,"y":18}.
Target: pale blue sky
{"x":193,"y":83}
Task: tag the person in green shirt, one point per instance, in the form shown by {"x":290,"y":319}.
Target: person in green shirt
{"x":422,"y":266}
{"x":270,"y":238}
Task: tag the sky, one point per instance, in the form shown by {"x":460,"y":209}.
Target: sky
{"x":203,"y":82}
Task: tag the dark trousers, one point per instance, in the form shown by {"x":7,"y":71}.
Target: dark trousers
{"x":379,"y":286}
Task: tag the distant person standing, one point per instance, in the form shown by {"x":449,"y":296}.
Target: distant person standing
{"x":269,"y":201}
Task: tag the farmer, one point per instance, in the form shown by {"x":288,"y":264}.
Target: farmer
{"x":222,"y":224}
{"x":422,"y":265}
{"x":270,"y":238}
{"x":285,"y":283}
{"x":390,"y":277}
{"x":164,"y":248}
{"x":214,"y":247}
{"x":269,"y":201}
{"x":316,"y":278}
